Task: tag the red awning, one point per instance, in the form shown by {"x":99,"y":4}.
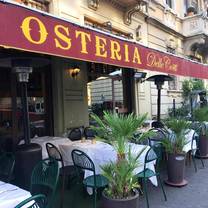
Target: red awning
{"x":29,"y":30}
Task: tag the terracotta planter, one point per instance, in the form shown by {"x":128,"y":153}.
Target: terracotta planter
{"x":176,"y":170}
{"x":203,"y":147}
{"x":131,"y":202}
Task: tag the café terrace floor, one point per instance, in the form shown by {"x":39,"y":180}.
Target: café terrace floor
{"x":194,"y":195}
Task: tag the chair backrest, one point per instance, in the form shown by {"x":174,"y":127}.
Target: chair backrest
{"x":157,"y":124}
{"x":7,"y":161}
{"x":158,"y":135}
{"x":75,"y":134}
{"x":82,"y":162}
{"x":151,"y":156}
{"x":53,"y":152}
{"x":44,"y":179}
{"x":36,"y":201}
{"x":195,"y":138}
{"x":89,"y":133}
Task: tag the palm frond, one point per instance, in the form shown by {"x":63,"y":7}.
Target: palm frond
{"x":176,"y":141}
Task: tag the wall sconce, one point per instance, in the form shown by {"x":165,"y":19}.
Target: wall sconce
{"x":74,"y":71}
{"x":139,"y":33}
{"x":22,"y":73}
{"x":130,"y":36}
{"x":140,"y":76}
{"x":108,"y":25}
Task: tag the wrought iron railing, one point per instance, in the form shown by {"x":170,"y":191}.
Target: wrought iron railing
{"x":42,"y":5}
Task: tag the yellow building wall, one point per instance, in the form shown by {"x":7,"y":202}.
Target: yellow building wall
{"x":168,"y":26}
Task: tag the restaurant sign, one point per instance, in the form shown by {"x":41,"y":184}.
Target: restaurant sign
{"x":29,"y":30}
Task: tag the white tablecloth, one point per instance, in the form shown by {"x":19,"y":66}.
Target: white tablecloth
{"x":189,"y":137}
{"x":102,"y":153}
{"x":54,"y":140}
{"x":11,"y":195}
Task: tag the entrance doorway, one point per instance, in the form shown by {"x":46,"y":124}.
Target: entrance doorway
{"x":39,"y":104}
{"x":110,"y":88}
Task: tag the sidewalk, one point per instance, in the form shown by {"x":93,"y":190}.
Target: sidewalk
{"x":194,"y":195}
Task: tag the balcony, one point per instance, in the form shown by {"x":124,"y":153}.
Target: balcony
{"x":42,"y":5}
{"x":127,"y":3}
{"x":195,"y":25}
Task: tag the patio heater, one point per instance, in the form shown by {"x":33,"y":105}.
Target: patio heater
{"x":26,"y":154}
{"x":23,"y":78}
{"x":159,"y":82}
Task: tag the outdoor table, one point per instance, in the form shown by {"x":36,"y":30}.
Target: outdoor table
{"x":188,"y":147}
{"x":11,"y":195}
{"x":54,"y":140}
{"x":102,"y":153}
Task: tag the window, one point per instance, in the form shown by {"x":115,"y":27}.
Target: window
{"x":42,"y":5}
{"x":169,"y":3}
{"x":171,"y":50}
{"x":191,"y":3}
{"x":107,"y":27}
{"x":172,"y":85}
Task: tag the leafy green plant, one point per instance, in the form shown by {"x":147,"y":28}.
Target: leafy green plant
{"x":201,"y":114}
{"x":180,"y":112}
{"x":176,"y":140}
{"x":201,"y":117}
{"x":117,"y":130}
{"x":121,"y":177}
{"x":189,"y":85}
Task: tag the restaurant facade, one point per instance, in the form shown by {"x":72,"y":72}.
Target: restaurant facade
{"x":61,"y":55}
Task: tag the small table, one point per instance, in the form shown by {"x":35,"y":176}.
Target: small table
{"x":11,"y":195}
{"x":54,"y":140}
{"x":102,"y":153}
{"x":189,"y":136}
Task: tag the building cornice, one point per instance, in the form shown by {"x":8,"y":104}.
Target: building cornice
{"x":93,"y":4}
{"x":163,"y":27}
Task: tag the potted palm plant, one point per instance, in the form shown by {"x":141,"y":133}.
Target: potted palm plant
{"x":117,"y":130}
{"x":174,"y":145}
{"x":201,"y":127}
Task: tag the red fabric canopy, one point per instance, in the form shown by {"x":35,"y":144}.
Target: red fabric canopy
{"x":29,"y":30}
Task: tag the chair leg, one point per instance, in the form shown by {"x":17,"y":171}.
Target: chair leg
{"x":202,"y":162}
{"x":95,"y":197}
{"x":163,"y":190}
{"x":145,"y":191}
{"x":62,"y":191}
{"x":194,"y":161}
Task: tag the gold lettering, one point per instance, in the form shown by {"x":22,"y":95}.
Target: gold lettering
{"x":27,"y":30}
{"x":136,"y":58}
{"x":84,"y":37}
{"x":126,"y":47}
{"x":100,"y":44}
{"x":62,"y":36}
{"x":115,"y":50}
{"x":169,"y":65}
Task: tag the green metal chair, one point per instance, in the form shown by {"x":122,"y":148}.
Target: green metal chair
{"x":153,"y":154}
{"x":82,"y":162}
{"x":7,"y":161}
{"x":37,"y":201}
{"x":65,"y":171}
{"x":195,"y":151}
{"x":44,"y":179}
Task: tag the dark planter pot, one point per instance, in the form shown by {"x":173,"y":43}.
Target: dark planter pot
{"x":132,"y":202}
{"x":176,"y":170}
{"x":27,"y":156}
{"x":203,"y":147}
